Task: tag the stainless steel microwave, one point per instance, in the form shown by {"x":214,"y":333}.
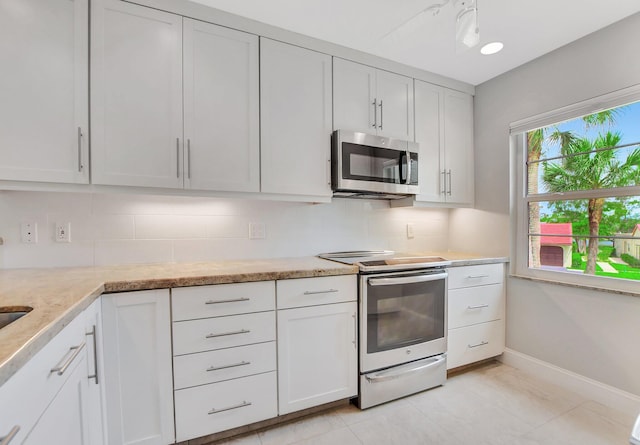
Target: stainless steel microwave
{"x":369,"y":166}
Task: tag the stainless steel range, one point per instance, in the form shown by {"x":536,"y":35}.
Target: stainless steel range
{"x":402,"y":323}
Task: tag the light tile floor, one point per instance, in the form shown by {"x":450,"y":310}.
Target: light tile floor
{"x":492,"y":405}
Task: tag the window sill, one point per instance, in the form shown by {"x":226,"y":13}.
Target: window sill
{"x":577,"y":286}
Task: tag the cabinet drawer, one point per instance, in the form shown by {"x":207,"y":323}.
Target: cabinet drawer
{"x":224,"y":364}
{"x":473,"y":343}
{"x":190,"y":303}
{"x":313,"y":291}
{"x":223,"y":332}
{"x":466,"y":276}
{"x":475,"y":305}
{"x":220,"y":406}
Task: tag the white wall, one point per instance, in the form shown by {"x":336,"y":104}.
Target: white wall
{"x":594,"y":334}
{"x":119,"y":228}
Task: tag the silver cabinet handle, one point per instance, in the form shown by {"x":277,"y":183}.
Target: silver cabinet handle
{"x":482,"y":343}
{"x":6,"y":440}
{"x":443,"y":183}
{"x":355,"y":331}
{"x":224,"y":334}
{"x":380,"y":126}
{"x":449,"y":191}
{"x":95,"y":354}
{"x":189,"y":158}
{"x":471,"y":277}
{"x":80,"y":149}
{"x":178,"y":157}
{"x":313,"y":292}
{"x":406,"y":280}
{"x":481,"y":306}
{"x":375,"y":113}
{"x":235,"y":365}
{"x":226,"y":301}
{"x":75,"y":350}
{"x":241,"y":405}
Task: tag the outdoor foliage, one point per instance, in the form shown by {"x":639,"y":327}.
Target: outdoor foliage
{"x":631,"y":261}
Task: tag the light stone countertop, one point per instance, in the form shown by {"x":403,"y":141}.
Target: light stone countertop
{"x":58,"y":295}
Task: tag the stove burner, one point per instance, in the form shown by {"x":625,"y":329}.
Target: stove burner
{"x":379,"y":261}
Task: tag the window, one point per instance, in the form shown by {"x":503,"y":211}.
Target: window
{"x":577,"y":193}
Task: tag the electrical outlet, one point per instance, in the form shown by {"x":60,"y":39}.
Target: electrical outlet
{"x":29,"y":232}
{"x":410,"y":233}
{"x":63,"y":232}
{"x":257,"y":231}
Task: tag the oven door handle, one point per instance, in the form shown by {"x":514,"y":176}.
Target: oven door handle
{"x":405,"y":370}
{"x":406,"y":280}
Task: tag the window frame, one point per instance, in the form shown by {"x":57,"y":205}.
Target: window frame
{"x":519,"y":213}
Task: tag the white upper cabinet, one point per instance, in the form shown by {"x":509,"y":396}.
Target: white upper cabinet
{"x":221,"y":108}
{"x":370,"y":100}
{"x":136,"y":93}
{"x":44,"y":90}
{"x":444,"y":131}
{"x":295,"y":93}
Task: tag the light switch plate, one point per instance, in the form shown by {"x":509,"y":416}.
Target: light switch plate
{"x":410,"y":233}
{"x":29,"y":232}
{"x":257,"y":230}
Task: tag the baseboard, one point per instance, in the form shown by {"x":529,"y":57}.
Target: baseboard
{"x":589,"y":388}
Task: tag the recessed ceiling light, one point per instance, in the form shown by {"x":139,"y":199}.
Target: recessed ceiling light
{"x":491,"y":48}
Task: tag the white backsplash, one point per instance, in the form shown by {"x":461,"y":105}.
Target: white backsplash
{"x":109,"y":229}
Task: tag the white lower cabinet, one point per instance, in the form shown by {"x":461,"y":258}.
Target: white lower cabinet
{"x":476,"y":312}
{"x":224,"y":364}
{"x":137,"y":351}
{"x":317,"y":345}
{"x":64,"y":422}
{"x":49,"y":399}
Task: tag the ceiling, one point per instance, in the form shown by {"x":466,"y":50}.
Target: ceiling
{"x":528,"y":29}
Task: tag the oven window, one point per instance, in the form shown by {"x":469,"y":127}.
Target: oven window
{"x":365,"y":163}
{"x":404,"y":314}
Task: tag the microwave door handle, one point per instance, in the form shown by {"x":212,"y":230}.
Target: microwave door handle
{"x":400,"y":165}
{"x":408,"y":167}
{"x":406,"y":280}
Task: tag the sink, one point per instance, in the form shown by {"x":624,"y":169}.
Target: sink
{"x":10,"y":314}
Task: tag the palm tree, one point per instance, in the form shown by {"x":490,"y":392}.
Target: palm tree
{"x":584,"y":169}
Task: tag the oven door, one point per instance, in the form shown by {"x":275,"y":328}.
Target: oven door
{"x":403,"y":317}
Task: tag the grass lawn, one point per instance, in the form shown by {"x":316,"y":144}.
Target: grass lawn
{"x":624,"y":271}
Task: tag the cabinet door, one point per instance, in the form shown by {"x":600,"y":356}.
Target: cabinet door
{"x":44,"y":104}
{"x":295,"y":93}
{"x":137,"y":343}
{"x":221,"y":108}
{"x":136,"y":95}
{"x":395,"y":105}
{"x":317,"y":355}
{"x":354,"y":88}
{"x":64,"y":420}
{"x":458,"y":144}
{"x":430,"y":137}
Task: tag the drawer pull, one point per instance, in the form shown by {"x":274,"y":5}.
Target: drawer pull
{"x":95,"y":354}
{"x":480,"y":306}
{"x":235,"y":365}
{"x":314,"y":292}
{"x":471,"y":277}
{"x":61,"y":368}
{"x":242,"y":405}
{"x":6,"y":440}
{"x":482,"y":343}
{"x":224,"y":334}
{"x":235,"y":300}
